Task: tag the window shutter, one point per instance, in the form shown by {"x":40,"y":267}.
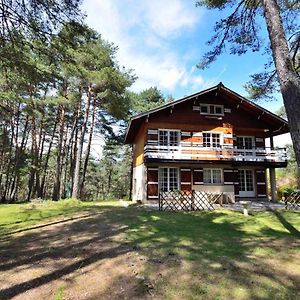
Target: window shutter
{"x":259,"y":143}
{"x":261,"y":185}
{"x":152,"y":137}
{"x":229,"y":177}
{"x":186,"y":138}
{"x":152,"y":183}
{"x":198,"y":176}
{"x":186,"y":179}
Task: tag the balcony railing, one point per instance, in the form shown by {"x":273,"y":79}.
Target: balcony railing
{"x":183,"y":152}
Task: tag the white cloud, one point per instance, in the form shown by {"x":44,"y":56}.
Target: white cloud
{"x":146,"y":32}
{"x":167,"y":17}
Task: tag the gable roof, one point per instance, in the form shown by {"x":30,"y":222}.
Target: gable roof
{"x":137,"y":120}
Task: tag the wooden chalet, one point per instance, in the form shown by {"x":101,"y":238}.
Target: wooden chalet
{"x":210,"y":141}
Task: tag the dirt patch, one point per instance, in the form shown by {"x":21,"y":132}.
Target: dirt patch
{"x":82,"y":258}
{"x":131,"y":253}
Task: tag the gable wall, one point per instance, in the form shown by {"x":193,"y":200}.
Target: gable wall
{"x":138,"y":147}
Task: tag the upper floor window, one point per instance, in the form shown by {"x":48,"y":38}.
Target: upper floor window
{"x":168,"y":137}
{"x":211,"y":139}
{"x":245,"y":142}
{"x":211,"y":109}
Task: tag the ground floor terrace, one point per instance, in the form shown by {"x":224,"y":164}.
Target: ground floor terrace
{"x":251,"y":182}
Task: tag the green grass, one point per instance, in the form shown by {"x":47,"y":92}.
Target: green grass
{"x":14,"y":217}
{"x":219,"y":254}
{"x":197,"y":255}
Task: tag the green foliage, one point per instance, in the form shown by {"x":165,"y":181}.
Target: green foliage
{"x":14,"y":217}
{"x":288,"y":178}
{"x":59,"y":295}
{"x":240,"y":31}
{"x":146,"y":100}
{"x":110,"y":177}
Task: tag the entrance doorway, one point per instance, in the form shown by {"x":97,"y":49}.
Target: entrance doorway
{"x":246,"y":181}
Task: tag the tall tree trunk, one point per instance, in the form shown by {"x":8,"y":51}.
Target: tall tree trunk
{"x":56,"y":188}
{"x":76,"y":183}
{"x":45,"y":168}
{"x":288,"y":79}
{"x":33,"y":156}
{"x":88,"y":150}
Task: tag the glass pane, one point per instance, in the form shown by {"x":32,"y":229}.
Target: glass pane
{"x":163,"y":179}
{"x":219,"y":110}
{"x":174,"y":138}
{"x":206,"y":139}
{"x":215,"y":140}
{"x":240,"y":142}
{"x":217,"y":178}
{"x":242,"y":180}
{"x":248,"y":143}
{"x":249,"y":180}
{"x":173,"y":179}
{"x":207,"y":176}
{"x":163,"y":138}
{"x":204,"y":109}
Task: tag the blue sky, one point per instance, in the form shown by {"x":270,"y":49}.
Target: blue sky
{"x":163,"y":40}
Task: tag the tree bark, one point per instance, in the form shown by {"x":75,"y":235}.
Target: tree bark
{"x":45,"y":168}
{"x":88,"y":150}
{"x":288,"y":78}
{"x":76,"y":183}
{"x":56,"y":188}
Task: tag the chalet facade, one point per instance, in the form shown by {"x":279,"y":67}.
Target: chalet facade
{"x":211,"y":141}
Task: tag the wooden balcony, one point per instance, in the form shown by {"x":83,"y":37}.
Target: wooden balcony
{"x":223,"y":153}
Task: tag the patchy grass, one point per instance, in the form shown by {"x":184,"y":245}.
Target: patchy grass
{"x":134,"y":253}
{"x":14,"y":217}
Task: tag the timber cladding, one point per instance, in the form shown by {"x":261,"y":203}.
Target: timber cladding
{"x":138,"y":148}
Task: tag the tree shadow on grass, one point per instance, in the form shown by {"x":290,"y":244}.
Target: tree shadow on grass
{"x":213,"y":245}
{"x":287,"y":225}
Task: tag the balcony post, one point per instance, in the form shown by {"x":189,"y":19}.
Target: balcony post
{"x":273,"y":184}
{"x":271,"y":142}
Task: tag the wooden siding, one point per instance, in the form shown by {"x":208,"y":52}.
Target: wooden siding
{"x":184,"y":114}
{"x":138,"y":148}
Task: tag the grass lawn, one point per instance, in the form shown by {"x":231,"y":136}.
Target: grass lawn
{"x":14,"y":217}
{"x":135,"y":253}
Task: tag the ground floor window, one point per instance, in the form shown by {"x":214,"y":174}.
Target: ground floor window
{"x":212,"y":176}
{"x":168,"y":179}
{"x":246,"y":180}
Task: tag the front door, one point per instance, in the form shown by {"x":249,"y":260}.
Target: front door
{"x":246,"y":183}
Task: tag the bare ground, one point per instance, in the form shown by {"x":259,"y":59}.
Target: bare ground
{"x":91,"y":258}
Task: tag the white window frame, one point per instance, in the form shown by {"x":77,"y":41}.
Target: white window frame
{"x":168,"y":136}
{"x":247,"y":136}
{"x":207,"y":105}
{"x":168,"y":177}
{"x":211,"y":176}
{"x":214,"y":132}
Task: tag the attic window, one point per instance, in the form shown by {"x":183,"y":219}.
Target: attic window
{"x":211,"y":109}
